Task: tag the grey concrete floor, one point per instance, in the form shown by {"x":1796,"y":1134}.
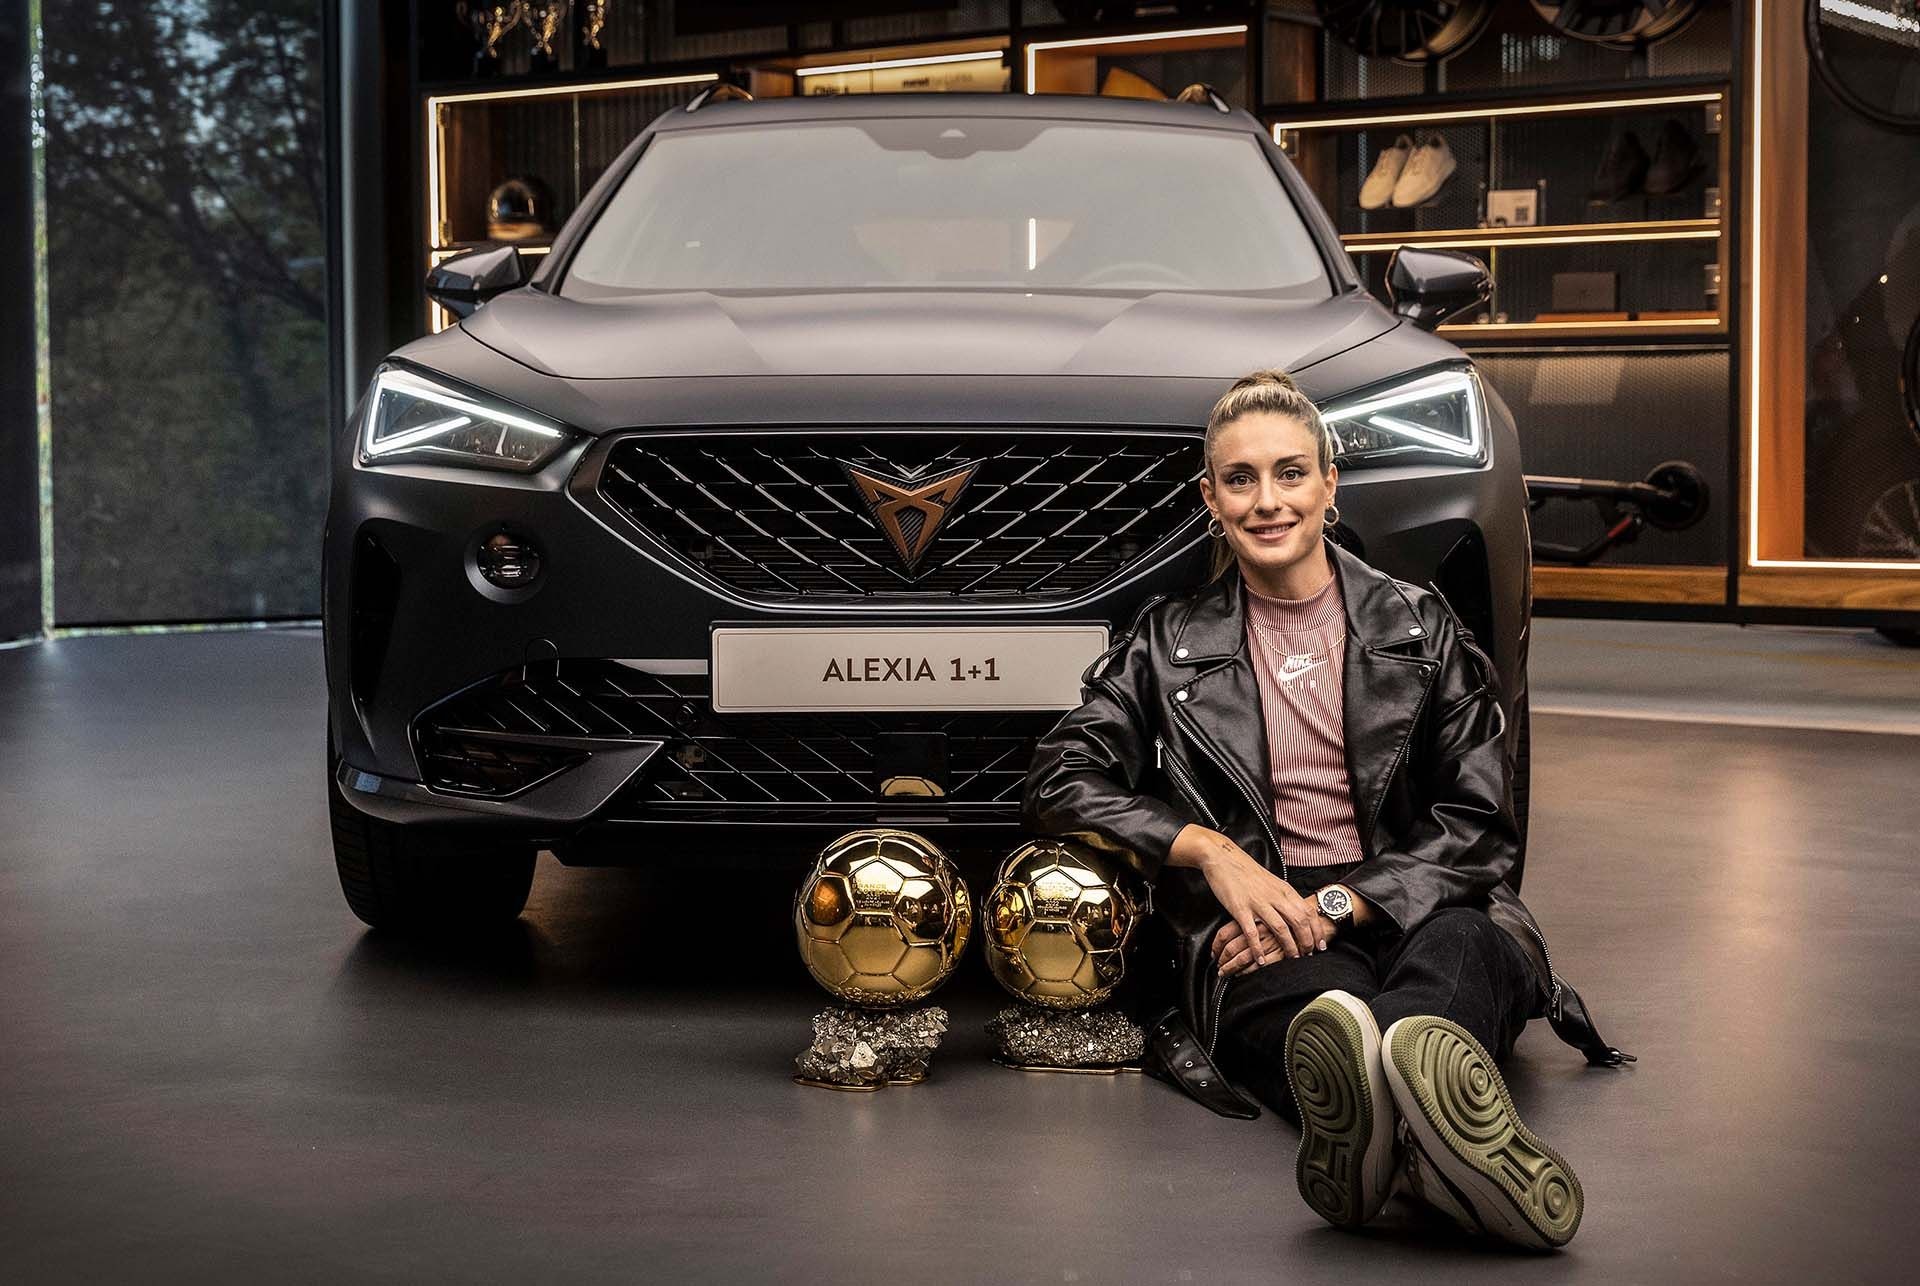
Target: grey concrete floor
{"x":208,"y":1070}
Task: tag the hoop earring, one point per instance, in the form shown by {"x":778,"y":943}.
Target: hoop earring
{"x":1333,"y":515}
{"x":1215,"y":530}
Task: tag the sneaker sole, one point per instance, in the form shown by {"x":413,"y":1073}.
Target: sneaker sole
{"x":1345,"y":1163}
{"x":1452,"y":1098}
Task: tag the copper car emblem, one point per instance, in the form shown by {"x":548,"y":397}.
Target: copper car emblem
{"x":909,"y":510}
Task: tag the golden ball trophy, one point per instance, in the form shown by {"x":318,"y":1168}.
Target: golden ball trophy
{"x":882,"y":919}
{"x":1057,"y":927}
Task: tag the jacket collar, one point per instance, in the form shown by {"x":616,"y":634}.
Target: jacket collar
{"x":1378,"y":613}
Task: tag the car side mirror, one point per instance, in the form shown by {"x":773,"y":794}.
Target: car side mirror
{"x":464,"y":282}
{"x":1429,"y":286}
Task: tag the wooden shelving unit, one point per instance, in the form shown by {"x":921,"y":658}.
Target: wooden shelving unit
{"x":1316,"y":142}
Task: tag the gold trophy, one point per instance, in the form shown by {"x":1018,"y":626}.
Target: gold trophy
{"x":490,"y":21}
{"x":881,"y":921}
{"x":588,"y":23}
{"x":1057,"y":927}
{"x":544,"y":20}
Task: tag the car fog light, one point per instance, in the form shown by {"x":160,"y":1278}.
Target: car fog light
{"x":508,"y":561}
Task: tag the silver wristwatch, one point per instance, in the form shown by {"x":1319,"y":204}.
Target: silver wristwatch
{"x":1336,"y":904}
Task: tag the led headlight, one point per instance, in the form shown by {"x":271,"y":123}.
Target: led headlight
{"x":1439,"y":415}
{"x":410,"y":417}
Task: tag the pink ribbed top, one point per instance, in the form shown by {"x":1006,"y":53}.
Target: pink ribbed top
{"x":1296,"y":649}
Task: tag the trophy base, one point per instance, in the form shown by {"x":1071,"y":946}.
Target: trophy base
{"x":1094,"y":1041}
{"x":1109,"y":1070}
{"x":868,"y":1049}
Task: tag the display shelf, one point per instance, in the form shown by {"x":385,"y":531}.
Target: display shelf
{"x":1689,"y":585}
{"x":1547,"y":234}
{"x":980,"y":66}
{"x":563,"y":136}
{"x":1598,"y":216}
{"x":1518,"y":54}
{"x":1149,"y":64}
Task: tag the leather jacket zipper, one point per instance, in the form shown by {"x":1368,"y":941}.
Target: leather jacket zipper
{"x":1170,"y":763}
{"x":1553,"y":979}
{"x":1373,"y":820}
{"x":1219,"y":999}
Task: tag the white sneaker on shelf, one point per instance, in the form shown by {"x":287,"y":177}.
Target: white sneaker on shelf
{"x":1377,"y":191}
{"x":1428,"y":170}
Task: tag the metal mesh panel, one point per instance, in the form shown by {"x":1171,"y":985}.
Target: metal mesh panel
{"x":1617,"y":413}
{"x":1044,"y":515}
{"x":509,"y":733}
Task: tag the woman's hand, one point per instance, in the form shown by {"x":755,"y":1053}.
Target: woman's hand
{"x":1252,"y":895}
{"x":1233,"y":954}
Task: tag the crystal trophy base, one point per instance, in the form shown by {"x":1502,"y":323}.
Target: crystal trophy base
{"x":1099,"y":1041}
{"x":866,"y":1049}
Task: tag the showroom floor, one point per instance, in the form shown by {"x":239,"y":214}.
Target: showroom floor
{"x":207,"y":1068}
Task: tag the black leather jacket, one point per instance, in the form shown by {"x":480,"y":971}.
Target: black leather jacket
{"x":1170,"y":733}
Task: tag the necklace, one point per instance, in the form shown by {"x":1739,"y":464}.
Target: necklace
{"x":1290,"y":666}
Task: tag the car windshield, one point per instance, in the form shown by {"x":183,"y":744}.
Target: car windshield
{"x":950,"y":202}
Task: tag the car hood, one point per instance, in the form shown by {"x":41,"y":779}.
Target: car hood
{"x":696,"y":333}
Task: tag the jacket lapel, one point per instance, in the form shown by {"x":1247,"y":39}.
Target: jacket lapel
{"x":1387,"y":673}
{"x":1211,"y":665}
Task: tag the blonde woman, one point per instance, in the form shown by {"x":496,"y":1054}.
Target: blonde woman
{"x":1305,"y":759}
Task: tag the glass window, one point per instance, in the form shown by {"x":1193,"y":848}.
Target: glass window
{"x":945,"y":202}
{"x":186,"y":262}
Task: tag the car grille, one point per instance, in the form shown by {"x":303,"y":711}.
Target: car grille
{"x":1044,"y":516}
{"x":508,"y":734}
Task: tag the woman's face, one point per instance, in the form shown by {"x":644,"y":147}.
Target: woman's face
{"x":1266,"y":490}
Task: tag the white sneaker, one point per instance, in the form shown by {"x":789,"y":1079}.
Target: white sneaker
{"x":1428,"y":170}
{"x":1349,"y":1132}
{"x":1377,"y":191}
{"x":1469,"y":1154}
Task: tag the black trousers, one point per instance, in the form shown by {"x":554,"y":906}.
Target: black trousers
{"x":1456,"y":964}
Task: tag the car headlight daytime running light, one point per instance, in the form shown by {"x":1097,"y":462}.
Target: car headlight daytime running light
{"x":1441,"y":414}
{"x":410,"y":417}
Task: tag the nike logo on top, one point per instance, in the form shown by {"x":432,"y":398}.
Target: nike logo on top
{"x":1298,"y":664}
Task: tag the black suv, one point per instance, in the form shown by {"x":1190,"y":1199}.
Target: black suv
{"x":793,"y":490}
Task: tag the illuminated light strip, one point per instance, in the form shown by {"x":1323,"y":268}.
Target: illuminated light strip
{"x":1705,"y":325}
{"x":436,"y":142}
{"x":1420,"y":243}
{"x":1554,"y":109}
{"x":1757,"y":206}
{"x":1426,"y":388}
{"x":1191,"y":33}
{"x":1622,"y":229}
{"x":928,"y":61}
{"x":413,"y":386}
{"x":1033,"y":242}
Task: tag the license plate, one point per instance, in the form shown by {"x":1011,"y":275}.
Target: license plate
{"x":1029,"y":667}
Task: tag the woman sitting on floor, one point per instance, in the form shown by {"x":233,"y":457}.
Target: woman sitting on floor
{"x":1306,"y":760}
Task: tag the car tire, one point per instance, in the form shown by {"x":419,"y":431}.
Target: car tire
{"x":421,"y":879}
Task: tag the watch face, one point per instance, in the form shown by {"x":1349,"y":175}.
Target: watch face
{"x":1335,"y":903}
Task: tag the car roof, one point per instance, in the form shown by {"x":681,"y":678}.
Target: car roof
{"x":1058,"y":107}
